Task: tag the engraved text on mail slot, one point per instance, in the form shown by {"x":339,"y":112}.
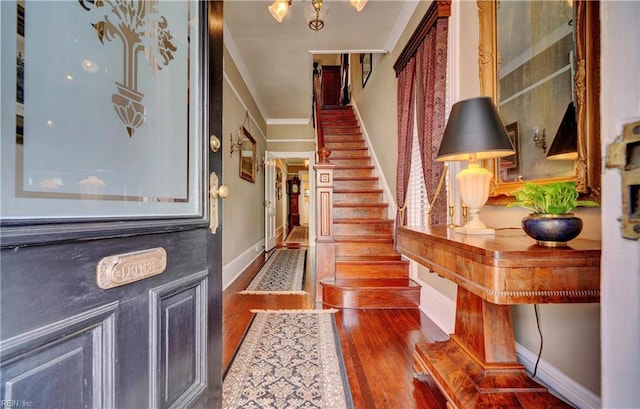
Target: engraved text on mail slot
{"x":121,"y":269}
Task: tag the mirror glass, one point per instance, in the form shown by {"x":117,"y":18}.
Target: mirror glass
{"x":247,"y":156}
{"x":535,"y":71}
{"x":534,"y":62}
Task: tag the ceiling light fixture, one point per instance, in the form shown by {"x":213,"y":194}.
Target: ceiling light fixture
{"x":358,"y":4}
{"x":315,"y":15}
{"x":279,"y":9}
{"x":315,"y":21}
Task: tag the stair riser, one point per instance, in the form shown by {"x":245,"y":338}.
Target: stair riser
{"x":349,"y":153}
{"x":355,"y":161}
{"x":338,"y":116}
{"x":370,"y":298}
{"x":345,"y":139}
{"x":337,"y":122}
{"x":358,"y":197}
{"x":353,"y":172}
{"x":344,"y":129}
{"x":355,"y":184}
{"x":337,"y":137}
{"x":351,"y":270}
{"x":353,"y":229}
{"x":344,"y":145}
{"x":360,"y":249}
{"x":360,"y":212}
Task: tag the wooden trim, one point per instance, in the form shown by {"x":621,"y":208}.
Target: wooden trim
{"x":438,"y":9}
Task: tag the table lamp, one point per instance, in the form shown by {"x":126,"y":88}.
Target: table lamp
{"x":474,"y":132}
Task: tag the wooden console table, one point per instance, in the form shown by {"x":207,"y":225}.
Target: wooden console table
{"x":478,"y":367}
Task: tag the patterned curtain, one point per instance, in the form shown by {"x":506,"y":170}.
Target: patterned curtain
{"x":431,"y":69}
{"x":405,"y":130}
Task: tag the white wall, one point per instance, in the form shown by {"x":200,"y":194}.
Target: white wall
{"x":620,"y":104}
{"x":242,"y":212}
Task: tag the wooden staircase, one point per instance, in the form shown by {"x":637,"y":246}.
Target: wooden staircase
{"x":369,"y":273}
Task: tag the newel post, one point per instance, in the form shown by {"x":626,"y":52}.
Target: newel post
{"x":325,"y":243}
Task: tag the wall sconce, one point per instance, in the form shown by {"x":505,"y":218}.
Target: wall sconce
{"x":540,"y":141}
{"x":260,"y":165}
{"x":235,"y":146}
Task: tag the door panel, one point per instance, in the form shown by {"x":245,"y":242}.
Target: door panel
{"x":63,"y":356}
{"x":153,"y":342}
{"x":178,"y":340}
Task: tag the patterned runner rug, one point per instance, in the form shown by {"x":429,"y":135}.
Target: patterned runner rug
{"x":299,"y":234}
{"x":288,"y":359}
{"x":283,"y":273}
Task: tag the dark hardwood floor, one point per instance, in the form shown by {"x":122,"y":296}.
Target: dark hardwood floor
{"x":377,"y":344}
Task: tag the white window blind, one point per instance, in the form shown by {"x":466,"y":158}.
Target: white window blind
{"x":417,"y":202}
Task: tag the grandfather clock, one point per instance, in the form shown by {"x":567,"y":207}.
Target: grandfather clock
{"x":294,"y":192}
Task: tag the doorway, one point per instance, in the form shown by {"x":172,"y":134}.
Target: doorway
{"x":299,"y":164}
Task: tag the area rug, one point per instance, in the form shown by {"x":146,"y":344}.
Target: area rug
{"x":288,"y":359}
{"x":299,"y":235}
{"x":283,"y":273}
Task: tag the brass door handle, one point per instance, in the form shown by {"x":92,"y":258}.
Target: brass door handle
{"x":215,"y":191}
{"x":214,"y":143}
{"x":222,"y":192}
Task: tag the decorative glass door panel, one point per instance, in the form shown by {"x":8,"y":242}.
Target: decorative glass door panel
{"x":111,"y":129}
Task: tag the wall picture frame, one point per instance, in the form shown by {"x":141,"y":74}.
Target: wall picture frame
{"x":247,"y":156}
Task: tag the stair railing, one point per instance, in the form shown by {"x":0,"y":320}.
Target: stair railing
{"x":325,"y":242}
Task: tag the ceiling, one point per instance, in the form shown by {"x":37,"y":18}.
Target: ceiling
{"x":276,"y":59}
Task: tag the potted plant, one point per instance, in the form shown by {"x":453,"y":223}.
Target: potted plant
{"x":551,"y":222}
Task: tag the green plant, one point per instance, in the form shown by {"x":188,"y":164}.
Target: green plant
{"x":550,"y":198}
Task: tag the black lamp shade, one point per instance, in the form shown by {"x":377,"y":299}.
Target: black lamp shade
{"x":474,"y":127}
{"x":565,"y":143}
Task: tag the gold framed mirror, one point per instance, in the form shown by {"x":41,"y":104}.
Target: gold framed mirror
{"x":533,"y":71}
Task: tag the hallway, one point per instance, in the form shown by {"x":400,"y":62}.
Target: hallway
{"x":377,"y":344}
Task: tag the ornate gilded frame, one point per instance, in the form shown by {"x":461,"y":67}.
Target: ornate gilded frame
{"x":587,"y":96}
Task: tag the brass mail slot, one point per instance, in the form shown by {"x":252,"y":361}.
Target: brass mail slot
{"x":121,"y":269}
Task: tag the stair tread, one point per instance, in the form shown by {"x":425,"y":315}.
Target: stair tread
{"x":365,"y":238}
{"x":352,"y":157}
{"x":358,"y":190}
{"x":371,"y":260}
{"x":361,"y":220}
{"x":360,"y":205}
{"x":373,"y":283}
{"x":348,"y":178}
{"x":355,"y":167}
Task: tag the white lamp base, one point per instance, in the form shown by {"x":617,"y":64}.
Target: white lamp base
{"x":473,"y":183}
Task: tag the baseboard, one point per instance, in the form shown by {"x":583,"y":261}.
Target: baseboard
{"x":439,"y":308}
{"x":232,"y":270}
{"x":557,"y":381}
{"x":389,"y":197}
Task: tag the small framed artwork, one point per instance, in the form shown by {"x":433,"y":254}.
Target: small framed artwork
{"x":511,"y":163}
{"x":247,"y":156}
{"x":367,"y":66}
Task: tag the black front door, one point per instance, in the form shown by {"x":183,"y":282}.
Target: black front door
{"x":110,"y":267}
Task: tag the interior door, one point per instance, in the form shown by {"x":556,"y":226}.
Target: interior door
{"x":269,"y":201}
{"x":110,"y":273}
